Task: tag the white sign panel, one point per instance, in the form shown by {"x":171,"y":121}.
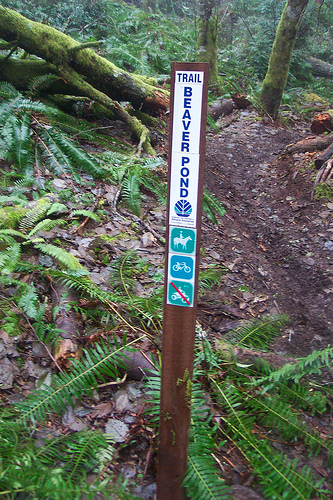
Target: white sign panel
{"x":184,"y":177}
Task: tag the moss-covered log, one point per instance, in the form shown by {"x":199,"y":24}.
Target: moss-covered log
{"x":22,"y":72}
{"x":279,"y":62}
{"x":62,"y":51}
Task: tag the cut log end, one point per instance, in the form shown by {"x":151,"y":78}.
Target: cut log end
{"x":321,"y":123}
{"x":240,"y":100}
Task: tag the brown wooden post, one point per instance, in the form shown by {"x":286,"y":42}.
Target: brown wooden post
{"x":189,"y":87}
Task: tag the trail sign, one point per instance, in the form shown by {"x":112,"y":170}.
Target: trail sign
{"x":188,"y":106}
{"x":182,"y":240}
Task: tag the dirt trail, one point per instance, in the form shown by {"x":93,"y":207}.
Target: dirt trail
{"x":275,"y":239}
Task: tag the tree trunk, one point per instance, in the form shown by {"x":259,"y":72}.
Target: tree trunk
{"x":206,"y":50}
{"x":21,"y":72}
{"x":251,"y":356}
{"x":279,"y":62}
{"x":320,"y":68}
{"x":66,"y":53}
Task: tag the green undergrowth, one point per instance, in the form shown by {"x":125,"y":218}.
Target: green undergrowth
{"x":324,"y":190}
{"x":252,"y":406}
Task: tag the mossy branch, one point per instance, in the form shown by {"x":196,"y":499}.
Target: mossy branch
{"x":85,"y":45}
{"x":138,"y":129}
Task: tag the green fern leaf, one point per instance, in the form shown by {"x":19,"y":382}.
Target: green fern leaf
{"x":65,"y":258}
{"x":38,"y":210}
{"x":212,"y":206}
{"x":131,"y":193}
{"x":312,"y":364}
{"x":64,"y":155}
{"x":19,"y":200}
{"x":258,"y":334}
{"x":10,"y":257}
{"x":8,"y":91}
{"x":21,"y":150}
{"x":53,"y":153}
{"x":29,"y":302}
{"x":210,"y":277}
{"x":57,"y":208}
{"x":7,"y":109}
{"x":86,"y":213}
{"x":279,"y":476}
{"x":202,"y":480}
{"x":103,"y":360}
{"x":44,"y":225}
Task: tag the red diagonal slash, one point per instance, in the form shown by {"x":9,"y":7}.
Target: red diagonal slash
{"x":180,"y":293}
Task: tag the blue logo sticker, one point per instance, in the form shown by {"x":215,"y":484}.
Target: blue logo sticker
{"x":183,"y":208}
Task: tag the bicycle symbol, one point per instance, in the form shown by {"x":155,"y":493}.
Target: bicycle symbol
{"x":181,"y":266}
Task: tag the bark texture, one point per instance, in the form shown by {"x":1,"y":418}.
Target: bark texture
{"x":324,"y":156}
{"x":279,"y":62}
{"x":222,"y":107}
{"x":206,"y":50}
{"x":320,"y":68}
{"x":310,"y":144}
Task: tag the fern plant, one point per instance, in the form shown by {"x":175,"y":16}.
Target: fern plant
{"x":53,"y":467}
{"x":133,"y":176}
{"x":146,"y":43}
{"x":250,"y":415}
{"x":28,"y":140}
{"x":251,"y":408}
{"x":202,"y":479}
{"x":104,"y":360}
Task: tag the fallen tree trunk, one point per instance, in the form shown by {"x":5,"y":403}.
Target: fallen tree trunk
{"x":65,"y":53}
{"x":319,"y":67}
{"x":309,"y":145}
{"x":22,"y":72}
{"x":325,"y":173}
{"x":250,"y":356}
{"x":222,"y":107}
{"x":325,"y":155}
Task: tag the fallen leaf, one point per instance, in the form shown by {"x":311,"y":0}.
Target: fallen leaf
{"x":101,"y":410}
{"x":117,"y":429}
{"x":8,"y":370}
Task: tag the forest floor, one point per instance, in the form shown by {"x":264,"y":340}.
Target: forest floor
{"x":275,"y":244}
{"x":275,"y":239}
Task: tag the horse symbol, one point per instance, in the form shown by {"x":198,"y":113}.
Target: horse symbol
{"x":181,"y":241}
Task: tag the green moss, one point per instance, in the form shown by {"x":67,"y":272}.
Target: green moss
{"x":279,"y":62}
{"x":310,"y":97}
{"x":11,"y":216}
{"x":207,"y":47}
{"x":324,"y":190}
{"x":186,"y":380}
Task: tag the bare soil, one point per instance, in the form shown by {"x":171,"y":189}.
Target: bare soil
{"x":275,"y":239}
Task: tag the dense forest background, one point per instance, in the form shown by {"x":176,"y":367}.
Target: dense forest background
{"x":145,"y":38}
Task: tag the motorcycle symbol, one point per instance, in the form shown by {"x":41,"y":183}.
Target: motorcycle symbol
{"x":177,"y":296}
{"x":180,"y":266}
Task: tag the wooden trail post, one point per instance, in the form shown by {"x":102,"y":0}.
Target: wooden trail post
{"x":189,"y":87}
